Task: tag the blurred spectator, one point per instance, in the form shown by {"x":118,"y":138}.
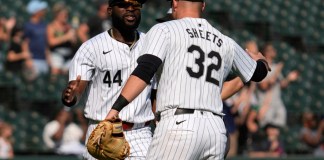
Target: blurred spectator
{"x":252,"y":47}
{"x":61,"y":38}
{"x":63,"y":135}
{"x":231,"y":129}
{"x":82,"y":121}
{"x":241,"y":103}
{"x":271,"y":145}
{"x":312,"y":133}
{"x":6,"y":146}
{"x":252,"y":121}
{"x":35,"y":35}
{"x":18,"y":59}
{"x":269,"y":91}
{"x":97,"y":23}
{"x":6,"y":26}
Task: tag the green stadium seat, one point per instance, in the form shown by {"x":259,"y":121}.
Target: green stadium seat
{"x":19,"y":139}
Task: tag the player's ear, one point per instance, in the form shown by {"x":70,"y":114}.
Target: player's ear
{"x":203,"y":6}
{"x":174,"y":8}
{"x":174,"y":5}
{"x":109,"y":11}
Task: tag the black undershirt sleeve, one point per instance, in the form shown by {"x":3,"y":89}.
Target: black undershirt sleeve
{"x":260,"y":72}
{"x":147,"y":66}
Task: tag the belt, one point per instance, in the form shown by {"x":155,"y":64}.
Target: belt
{"x":129,"y":126}
{"x":180,"y":111}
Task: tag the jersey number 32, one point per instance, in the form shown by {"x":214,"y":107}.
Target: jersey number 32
{"x":200,"y":60}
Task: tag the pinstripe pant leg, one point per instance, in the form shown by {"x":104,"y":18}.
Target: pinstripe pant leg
{"x":86,"y":155}
{"x":139,"y":141}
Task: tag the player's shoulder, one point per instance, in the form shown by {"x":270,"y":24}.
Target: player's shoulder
{"x":91,"y":44}
{"x":96,"y":40}
{"x":162,"y":26}
{"x":103,"y":36}
{"x":141,"y":34}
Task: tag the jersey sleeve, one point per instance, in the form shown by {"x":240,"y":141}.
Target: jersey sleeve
{"x":243,"y":65}
{"x":154,"y":82}
{"x":82,"y":64}
{"x":156,"y":41}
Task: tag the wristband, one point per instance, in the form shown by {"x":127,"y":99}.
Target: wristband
{"x":71,"y":103}
{"x":120,"y":103}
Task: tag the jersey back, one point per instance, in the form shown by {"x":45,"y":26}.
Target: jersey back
{"x":197,"y":58}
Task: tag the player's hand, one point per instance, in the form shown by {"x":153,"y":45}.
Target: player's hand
{"x":112,"y":115}
{"x":254,"y":55}
{"x":69,"y":92}
{"x":259,"y":56}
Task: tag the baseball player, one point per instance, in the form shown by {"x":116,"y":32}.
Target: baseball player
{"x":100,"y":68}
{"x":231,"y":85}
{"x":197,"y":58}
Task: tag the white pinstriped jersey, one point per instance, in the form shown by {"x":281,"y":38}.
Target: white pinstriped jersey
{"x":107,"y":64}
{"x":197,"y":59}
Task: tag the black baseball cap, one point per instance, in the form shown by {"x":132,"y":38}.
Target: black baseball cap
{"x":111,"y":2}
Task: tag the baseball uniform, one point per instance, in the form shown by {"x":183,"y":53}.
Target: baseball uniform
{"x":197,"y":59}
{"x":107,"y":63}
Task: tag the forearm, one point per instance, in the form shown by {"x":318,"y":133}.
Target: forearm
{"x":59,"y":134}
{"x":133,"y":87}
{"x":311,"y":140}
{"x":15,"y":57}
{"x":284,"y":83}
{"x":83,"y":32}
{"x":141,"y":76}
{"x":54,"y":41}
{"x":48,"y":57}
{"x":231,"y":87}
{"x":265,"y":105}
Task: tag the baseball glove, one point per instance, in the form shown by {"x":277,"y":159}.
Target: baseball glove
{"x":107,"y":141}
